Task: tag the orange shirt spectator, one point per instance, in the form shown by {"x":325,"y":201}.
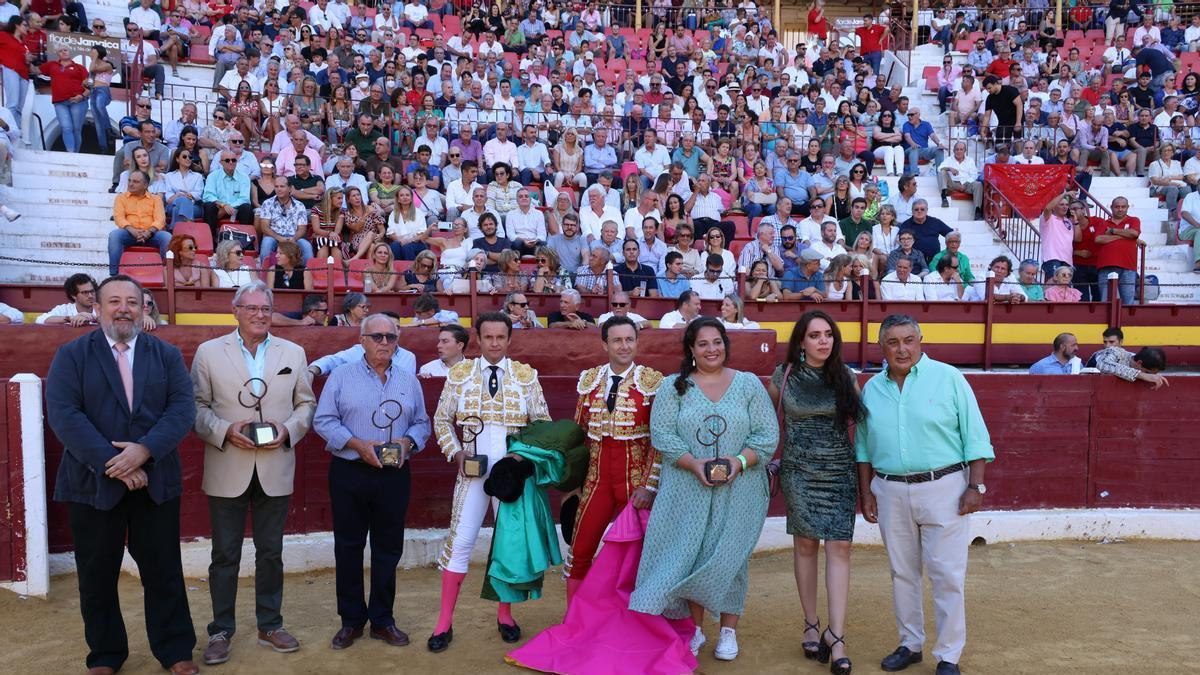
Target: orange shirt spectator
{"x":140,"y":212}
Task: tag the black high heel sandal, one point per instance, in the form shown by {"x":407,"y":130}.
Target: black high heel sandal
{"x":812,"y":649}
{"x":841,"y":666}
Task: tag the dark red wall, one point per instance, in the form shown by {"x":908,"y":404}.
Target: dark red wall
{"x":1060,"y":443}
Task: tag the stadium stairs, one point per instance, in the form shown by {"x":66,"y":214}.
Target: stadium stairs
{"x":67,"y":209}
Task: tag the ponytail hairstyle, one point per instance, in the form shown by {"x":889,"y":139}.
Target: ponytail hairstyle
{"x":834,"y":373}
{"x":688,"y":366}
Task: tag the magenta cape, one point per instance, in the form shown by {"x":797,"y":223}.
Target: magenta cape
{"x":600,"y":634}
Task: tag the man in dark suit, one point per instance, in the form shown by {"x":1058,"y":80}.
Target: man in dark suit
{"x":120,"y":402}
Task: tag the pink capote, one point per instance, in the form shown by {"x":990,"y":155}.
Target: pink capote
{"x":600,"y":635}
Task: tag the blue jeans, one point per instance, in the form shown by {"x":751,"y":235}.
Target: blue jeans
{"x":119,"y":240}
{"x":1126,"y":284}
{"x":70,"y":120}
{"x":934,"y":155}
{"x":100,"y":98}
{"x":754,"y":210}
{"x":875,"y":59}
{"x":15,"y":88}
{"x":407,"y":251}
{"x":182,"y":209}
{"x":269,"y":245}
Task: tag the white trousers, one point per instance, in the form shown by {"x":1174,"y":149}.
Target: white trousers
{"x":893,"y":159}
{"x":470,"y":506}
{"x":920,"y":526}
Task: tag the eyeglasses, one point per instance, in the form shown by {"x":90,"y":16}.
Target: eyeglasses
{"x":218,"y":118}
{"x":858,"y":171}
{"x":620,"y":304}
{"x":383,"y":338}
{"x":97,"y":26}
{"x":255,"y":309}
{"x":229,"y":160}
{"x":520,"y":304}
{"x":144,"y":105}
{"x":189,"y":247}
{"x":236,"y":251}
{"x":185,"y":157}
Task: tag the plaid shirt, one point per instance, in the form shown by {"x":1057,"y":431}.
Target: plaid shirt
{"x":587,"y":281}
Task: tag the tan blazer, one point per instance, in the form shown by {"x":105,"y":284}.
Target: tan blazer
{"x":218,"y":373}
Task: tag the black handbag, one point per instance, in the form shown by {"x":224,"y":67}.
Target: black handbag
{"x":244,"y":239}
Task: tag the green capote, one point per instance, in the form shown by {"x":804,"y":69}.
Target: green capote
{"x":525,"y":540}
{"x":566,"y":437}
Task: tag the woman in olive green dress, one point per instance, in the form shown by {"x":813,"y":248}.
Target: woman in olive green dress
{"x":818,"y":474}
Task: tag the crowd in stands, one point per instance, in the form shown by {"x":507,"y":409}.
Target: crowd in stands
{"x":541,"y":144}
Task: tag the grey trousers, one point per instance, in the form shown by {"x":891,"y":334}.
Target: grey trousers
{"x":267,"y":518}
{"x":921,"y":528}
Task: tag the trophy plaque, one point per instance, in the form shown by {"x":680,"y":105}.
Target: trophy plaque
{"x":390,"y":453}
{"x":474,"y":465}
{"x":261,"y":432}
{"x":718,"y":469}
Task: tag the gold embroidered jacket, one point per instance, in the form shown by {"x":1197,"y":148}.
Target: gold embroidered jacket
{"x":519,"y":401}
{"x":628,"y":425}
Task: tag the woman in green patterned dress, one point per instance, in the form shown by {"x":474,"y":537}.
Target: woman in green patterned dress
{"x":818,"y":474}
{"x":700,"y":535}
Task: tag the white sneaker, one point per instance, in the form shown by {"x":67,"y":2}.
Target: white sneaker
{"x":697,"y":642}
{"x":9,"y":213}
{"x":727,"y":648}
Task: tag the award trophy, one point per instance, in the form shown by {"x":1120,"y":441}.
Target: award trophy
{"x":473,"y":465}
{"x":260,"y":433}
{"x":390,"y":453}
{"x":709,"y":434}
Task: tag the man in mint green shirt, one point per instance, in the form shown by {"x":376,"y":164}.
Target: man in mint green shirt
{"x":921,"y":454}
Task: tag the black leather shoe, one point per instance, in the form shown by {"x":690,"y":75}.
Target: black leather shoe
{"x":947,"y":668}
{"x":900,"y":659}
{"x":439,"y":641}
{"x":509,"y":633}
{"x":345,"y":637}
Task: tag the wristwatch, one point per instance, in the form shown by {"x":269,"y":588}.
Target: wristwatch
{"x":978,"y":487}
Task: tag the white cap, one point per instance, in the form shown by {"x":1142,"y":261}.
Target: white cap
{"x":587,"y":55}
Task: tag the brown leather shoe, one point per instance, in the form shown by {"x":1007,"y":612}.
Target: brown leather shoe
{"x":217,"y":650}
{"x":184,"y":668}
{"x":391,"y":635}
{"x":101,"y":670}
{"x":346,"y":637}
{"x":279,"y":639}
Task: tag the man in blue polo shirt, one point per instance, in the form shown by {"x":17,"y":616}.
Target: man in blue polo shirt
{"x":672,"y":283}
{"x":923,"y":142}
{"x":795,"y":183}
{"x":1063,"y":361}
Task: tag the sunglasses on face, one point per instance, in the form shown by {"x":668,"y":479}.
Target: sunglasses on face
{"x":236,"y":251}
{"x":383,"y":338}
{"x":229,"y":161}
{"x":144,"y":105}
{"x":218,"y":118}
{"x":522,"y":305}
{"x":620,"y":304}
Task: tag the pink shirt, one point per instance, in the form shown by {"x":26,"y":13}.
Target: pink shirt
{"x":1062,"y":294}
{"x":1057,"y":239}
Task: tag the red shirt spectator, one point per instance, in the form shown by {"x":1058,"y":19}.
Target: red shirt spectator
{"x":35,"y":42}
{"x":47,"y":8}
{"x":1122,"y":251}
{"x":817,"y":25}
{"x":1001,"y":68}
{"x":66,"y":80}
{"x":1088,"y":242}
{"x":12,"y":54}
{"x":870,"y":38}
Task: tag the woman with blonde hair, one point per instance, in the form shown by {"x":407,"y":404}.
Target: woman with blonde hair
{"x":837,"y":278}
{"x":509,"y":278}
{"x":885,"y":235}
{"x":407,"y":228}
{"x":379,"y":276}
{"x":358,"y":226}
{"x":548,"y":277}
{"x":422,"y":276}
{"x":733,"y":313}
{"x":863,"y":245}
{"x":229,"y":267}
{"x":568,"y":157}
{"x":323,"y":218}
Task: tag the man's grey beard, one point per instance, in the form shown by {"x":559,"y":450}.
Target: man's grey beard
{"x":119,"y":333}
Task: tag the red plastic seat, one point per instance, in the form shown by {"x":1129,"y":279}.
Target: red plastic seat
{"x":144,"y":265}
{"x":736,"y":247}
{"x":402,"y":266}
{"x":354,"y":274}
{"x":320,"y":278}
{"x":198,"y":231}
{"x":930,"y":74}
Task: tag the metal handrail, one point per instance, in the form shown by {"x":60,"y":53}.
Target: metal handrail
{"x":41,"y":129}
{"x":1015,"y":230}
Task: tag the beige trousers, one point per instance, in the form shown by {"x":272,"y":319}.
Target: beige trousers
{"x":921,"y":527}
